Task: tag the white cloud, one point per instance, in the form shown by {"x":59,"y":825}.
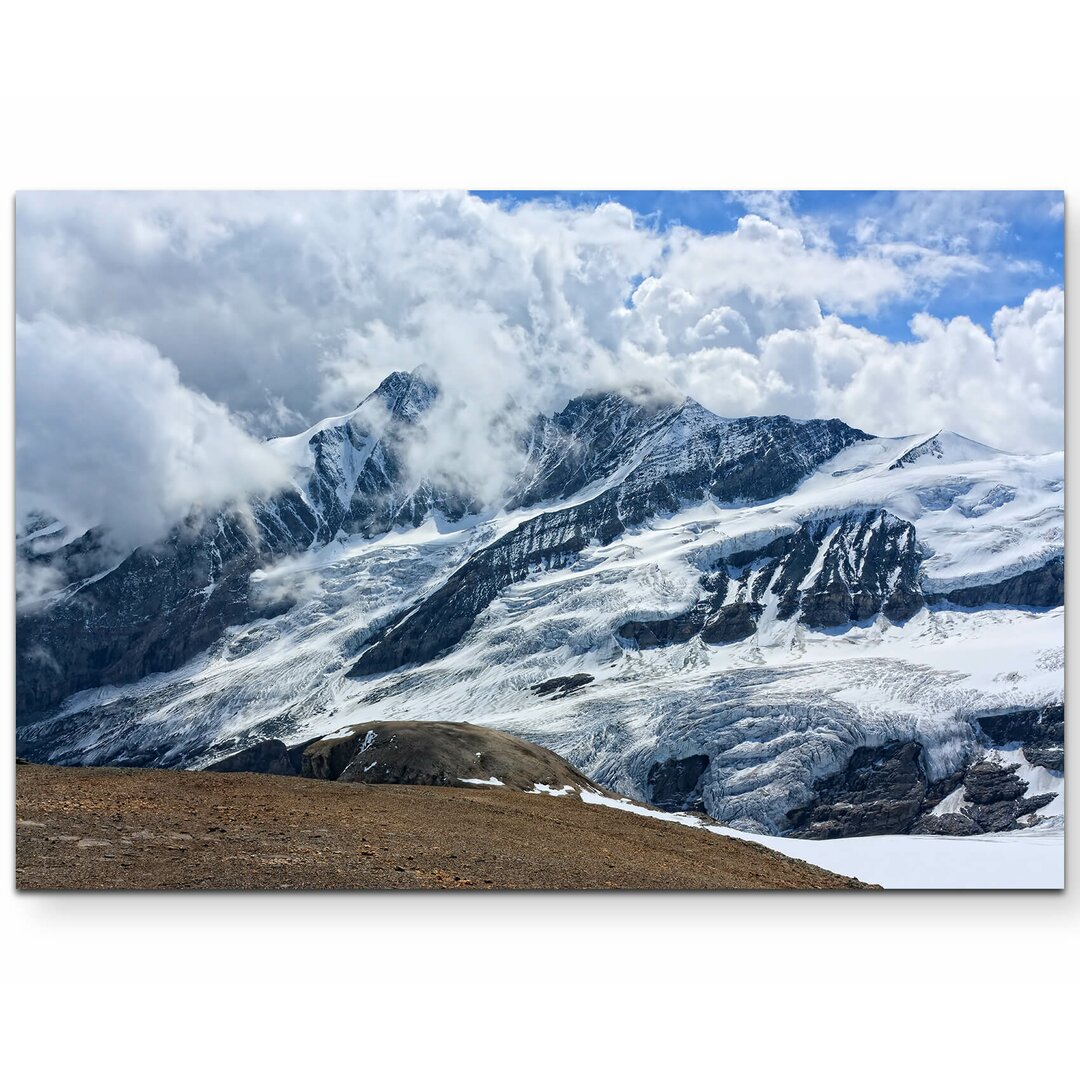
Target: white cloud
{"x":957,"y":221}
{"x":745,"y":285}
{"x":277,"y":309}
{"x":107,"y":433}
{"x":35,"y":581}
{"x":1031,"y":344}
{"x":949,"y":233}
{"x":1003,"y":387}
{"x":283,"y":304}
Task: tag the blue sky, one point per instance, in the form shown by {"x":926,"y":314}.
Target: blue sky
{"x":1017,"y":237}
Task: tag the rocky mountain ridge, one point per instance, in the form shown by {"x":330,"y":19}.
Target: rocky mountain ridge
{"x":683,"y":561}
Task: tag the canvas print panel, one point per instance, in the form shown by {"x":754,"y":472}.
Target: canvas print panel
{"x":540,"y":540}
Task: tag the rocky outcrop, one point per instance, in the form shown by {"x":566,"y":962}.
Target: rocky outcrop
{"x":731,"y":622}
{"x":437,"y":753}
{"x":163,"y":604}
{"x":993,"y":801}
{"x":869,"y":565}
{"x":270,"y":756}
{"x":674,"y":631}
{"x":986,"y":783}
{"x":1040,"y":732}
{"x":716,"y":625}
{"x":683,"y":453}
{"x":562,"y":685}
{"x":1043,"y":587}
{"x":826,"y":573}
{"x":947,"y":825}
{"x":675,"y":784}
{"x":995,"y":796}
{"x":883,"y":789}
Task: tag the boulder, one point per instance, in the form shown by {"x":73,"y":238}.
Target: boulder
{"x":986,"y":783}
{"x":946,"y":825}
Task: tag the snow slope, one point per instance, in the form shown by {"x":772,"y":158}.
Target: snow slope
{"x":1027,"y":859}
{"x":774,"y":712}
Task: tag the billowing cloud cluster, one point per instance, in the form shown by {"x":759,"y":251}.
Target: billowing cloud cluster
{"x":107,"y":433}
{"x":1003,"y":385}
{"x":159,"y":333}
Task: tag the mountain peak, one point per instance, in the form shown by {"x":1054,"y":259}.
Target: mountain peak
{"x":406,"y":393}
{"x":402,"y":387}
{"x":944,"y":446}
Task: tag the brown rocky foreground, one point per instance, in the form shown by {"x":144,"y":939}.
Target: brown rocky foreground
{"x":100,"y":828}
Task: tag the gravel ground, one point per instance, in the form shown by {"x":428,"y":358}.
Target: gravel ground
{"x":99,"y":828}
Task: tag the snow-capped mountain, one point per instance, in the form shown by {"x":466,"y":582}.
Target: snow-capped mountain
{"x":792,"y":626}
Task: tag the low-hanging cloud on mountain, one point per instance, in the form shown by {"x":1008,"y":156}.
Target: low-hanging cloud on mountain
{"x":106,"y":433}
{"x":162,"y":334}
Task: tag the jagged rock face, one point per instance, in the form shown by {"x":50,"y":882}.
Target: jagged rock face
{"x":994,"y":797}
{"x":153,"y":612}
{"x":679,"y":455}
{"x":886,"y":789}
{"x":688,"y":562}
{"x":675,"y":784}
{"x":164,"y":604}
{"x":838,"y":571}
{"x":590,"y":439}
{"x":994,"y":801}
{"x":763,"y":457}
{"x":359,"y":482}
{"x":680,"y":452}
{"x":882,"y":790}
{"x":986,"y":783}
{"x":1041,"y":733}
{"x":1043,"y":587}
{"x":826,"y":574}
{"x":159,"y":607}
{"x":870,"y":566}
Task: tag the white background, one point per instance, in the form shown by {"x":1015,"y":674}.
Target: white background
{"x":604,"y":95}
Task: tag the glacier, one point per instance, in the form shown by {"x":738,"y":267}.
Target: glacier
{"x":757,"y":597}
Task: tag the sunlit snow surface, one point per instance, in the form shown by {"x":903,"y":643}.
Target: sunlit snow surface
{"x":1026,"y":859}
{"x":773,"y":712}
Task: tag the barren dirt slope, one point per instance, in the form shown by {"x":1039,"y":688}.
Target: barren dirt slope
{"x":98,"y":828}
